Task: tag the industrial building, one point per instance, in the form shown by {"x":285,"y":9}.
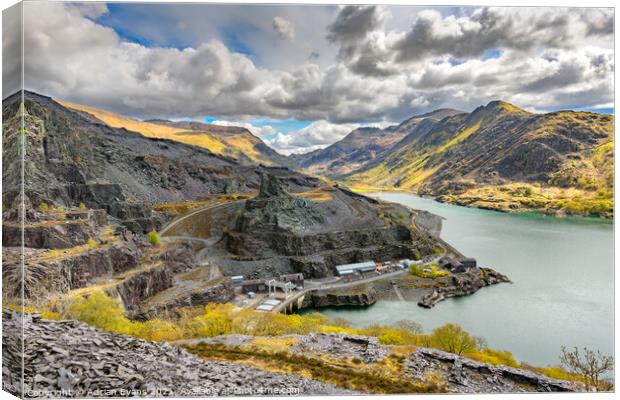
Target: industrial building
{"x":348,"y":269}
{"x":461,"y":265}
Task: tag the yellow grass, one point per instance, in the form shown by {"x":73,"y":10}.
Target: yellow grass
{"x":200,"y":139}
{"x":274,"y":344}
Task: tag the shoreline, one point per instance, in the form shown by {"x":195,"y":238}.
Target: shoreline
{"x":534,"y":211}
{"x":424,"y":292}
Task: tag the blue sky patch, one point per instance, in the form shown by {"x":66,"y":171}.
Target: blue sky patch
{"x":284,"y":125}
{"x":491,"y":53}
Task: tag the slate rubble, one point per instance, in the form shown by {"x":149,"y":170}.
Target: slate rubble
{"x":72,"y":359}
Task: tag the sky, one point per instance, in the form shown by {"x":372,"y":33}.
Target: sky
{"x":302,"y":77}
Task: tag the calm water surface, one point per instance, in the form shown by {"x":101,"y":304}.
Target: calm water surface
{"x":562,"y":269}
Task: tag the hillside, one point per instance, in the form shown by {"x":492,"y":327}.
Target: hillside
{"x":239,"y":141}
{"x":363,"y":145}
{"x":232,"y":141}
{"x":502,"y":157}
{"x":74,"y":158}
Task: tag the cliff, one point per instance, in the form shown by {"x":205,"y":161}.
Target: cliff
{"x":363,"y":295}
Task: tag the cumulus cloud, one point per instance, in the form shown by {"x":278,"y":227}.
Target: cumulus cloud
{"x":489,"y":28}
{"x":284,"y":28}
{"x":317,"y":135}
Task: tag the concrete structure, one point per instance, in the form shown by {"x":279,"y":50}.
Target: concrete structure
{"x":254,"y":285}
{"x":273,"y":286}
{"x":348,"y":269}
{"x":296,"y":279}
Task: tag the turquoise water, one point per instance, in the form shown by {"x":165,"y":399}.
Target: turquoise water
{"x":562,"y":269}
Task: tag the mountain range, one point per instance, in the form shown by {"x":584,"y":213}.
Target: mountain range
{"x":498,"y":156}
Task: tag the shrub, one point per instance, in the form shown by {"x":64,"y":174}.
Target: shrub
{"x":43,"y":207}
{"x":435,"y":271}
{"x":92,"y":243}
{"x":82,"y":206}
{"x":159,"y":331}
{"x":54,"y":253}
{"x":102,"y":312}
{"x":495,"y":357}
{"x":453,"y":338}
{"x":153,"y":238}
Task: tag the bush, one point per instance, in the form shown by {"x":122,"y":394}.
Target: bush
{"x":153,"y":238}
{"x":102,"y":312}
{"x":495,"y":357}
{"x":82,"y":206}
{"x":92,"y":243}
{"x":43,"y":207}
{"x":452,"y":338}
{"x":435,"y":271}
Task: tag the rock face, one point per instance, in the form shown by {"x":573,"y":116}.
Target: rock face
{"x":363,"y":295}
{"x":276,"y":210}
{"x":42,"y":234}
{"x":73,"y":157}
{"x":364,"y":348}
{"x":71,"y":359}
{"x":463,"y":284}
{"x":70,"y":272}
{"x":468,"y":376}
{"x":280,"y":233}
{"x":186,"y":294}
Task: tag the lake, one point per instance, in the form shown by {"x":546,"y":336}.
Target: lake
{"x":562,"y":269}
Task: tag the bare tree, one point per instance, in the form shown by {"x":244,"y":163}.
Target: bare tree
{"x":590,"y":365}
{"x":409,"y":325}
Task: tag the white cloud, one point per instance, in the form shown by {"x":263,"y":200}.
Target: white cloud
{"x":284,"y":28}
{"x":549,"y":59}
{"x":317,"y":135}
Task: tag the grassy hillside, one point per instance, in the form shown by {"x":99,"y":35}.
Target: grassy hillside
{"x":501,"y":157}
{"x":231,"y":141}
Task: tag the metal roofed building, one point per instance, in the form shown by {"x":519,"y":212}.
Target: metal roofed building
{"x":268,"y":305}
{"x":265,"y":307}
{"x":348,"y":269}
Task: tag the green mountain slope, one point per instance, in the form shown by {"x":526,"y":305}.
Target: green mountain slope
{"x":502,"y":157}
{"x":363,"y":145}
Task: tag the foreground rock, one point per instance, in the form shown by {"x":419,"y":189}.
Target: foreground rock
{"x":458,"y":374}
{"x":362,"y":295}
{"x":468,"y":376}
{"x":463,"y":284}
{"x":71,"y":359}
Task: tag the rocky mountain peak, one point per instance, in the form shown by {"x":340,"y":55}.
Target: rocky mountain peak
{"x":270,"y":186}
